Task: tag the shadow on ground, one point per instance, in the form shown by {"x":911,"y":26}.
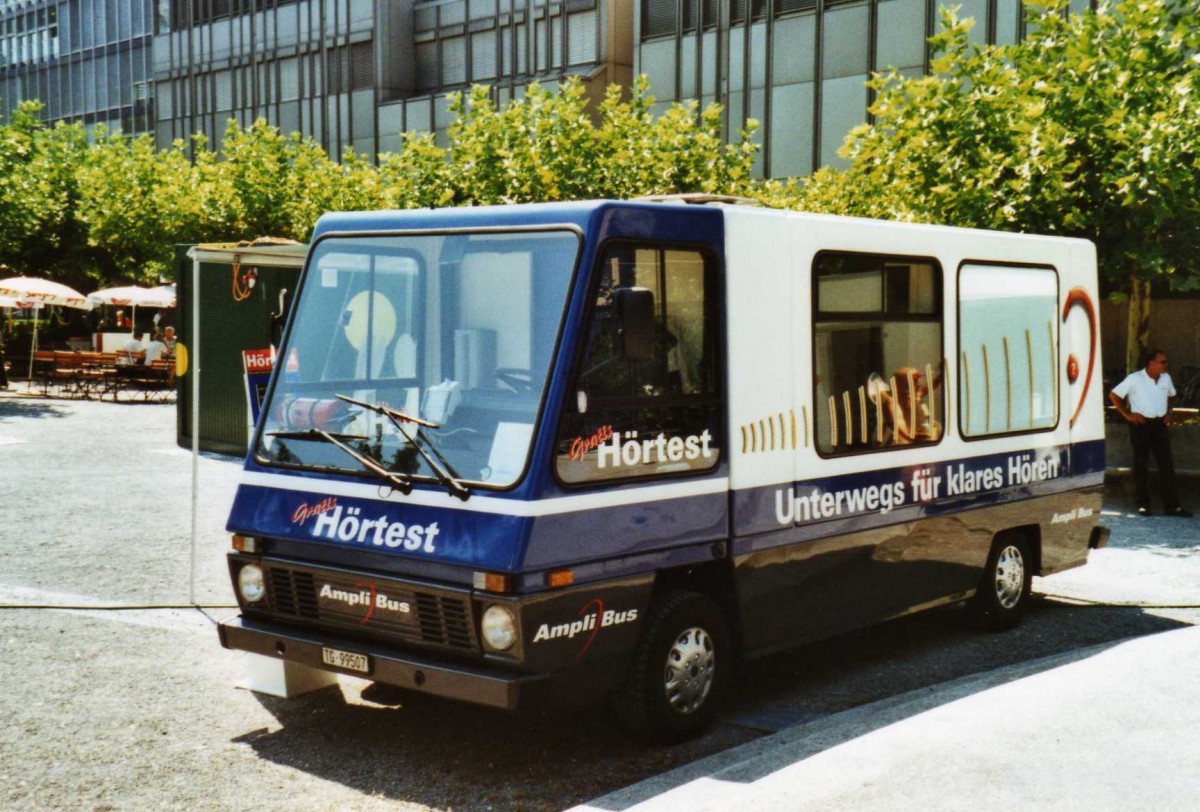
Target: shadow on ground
{"x":449,"y":755}
{"x":920,"y":651}
{"x":418,"y":751}
{"x":27,"y":407}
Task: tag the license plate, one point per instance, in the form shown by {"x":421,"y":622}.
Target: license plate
{"x":346,"y":659}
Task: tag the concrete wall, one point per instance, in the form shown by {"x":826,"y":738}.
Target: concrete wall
{"x":1120,"y":491}
{"x":1173,"y":329}
{"x":1185,"y":448}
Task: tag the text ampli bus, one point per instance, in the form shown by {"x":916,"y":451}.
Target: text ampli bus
{"x":515,"y":453}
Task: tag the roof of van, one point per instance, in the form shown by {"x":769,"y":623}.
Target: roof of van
{"x":522,"y":214}
{"x":580,"y":213}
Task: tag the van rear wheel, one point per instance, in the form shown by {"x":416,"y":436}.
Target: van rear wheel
{"x":680,"y":670}
{"x":1003,"y":594}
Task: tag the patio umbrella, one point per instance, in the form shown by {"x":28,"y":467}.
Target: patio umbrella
{"x":29,"y":290}
{"x":135,"y":296}
{"x":164,"y":294}
{"x":8,"y":301}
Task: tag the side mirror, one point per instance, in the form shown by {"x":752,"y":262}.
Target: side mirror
{"x":635,"y":314}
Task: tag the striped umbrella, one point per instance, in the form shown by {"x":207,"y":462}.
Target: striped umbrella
{"x":27,"y":289}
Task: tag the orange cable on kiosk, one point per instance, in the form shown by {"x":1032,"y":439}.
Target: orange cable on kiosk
{"x":244,"y":287}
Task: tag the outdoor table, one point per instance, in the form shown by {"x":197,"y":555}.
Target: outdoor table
{"x":155,"y":382}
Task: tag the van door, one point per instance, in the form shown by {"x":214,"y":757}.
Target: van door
{"x":644,"y":407}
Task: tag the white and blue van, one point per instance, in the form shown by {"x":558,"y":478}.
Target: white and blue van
{"x":517,"y":453}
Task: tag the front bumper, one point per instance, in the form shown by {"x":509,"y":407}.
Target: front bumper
{"x":492,"y":687}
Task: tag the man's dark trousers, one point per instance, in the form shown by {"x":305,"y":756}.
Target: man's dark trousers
{"x":1151,"y":438}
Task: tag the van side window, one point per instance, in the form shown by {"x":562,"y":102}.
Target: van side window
{"x":877,"y":352}
{"x":646,"y":396}
{"x":1008,"y":340}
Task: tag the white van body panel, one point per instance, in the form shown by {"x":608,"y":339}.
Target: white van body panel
{"x":769,"y":259}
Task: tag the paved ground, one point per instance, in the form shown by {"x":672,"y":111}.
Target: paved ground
{"x":1110,"y":727}
{"x":113,"y":699}
{"x":1106,"y":719}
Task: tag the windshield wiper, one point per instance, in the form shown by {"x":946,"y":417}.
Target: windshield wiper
{"x":402,"y":484}
{"x":388,"y":411}
{"x":445,"y":475}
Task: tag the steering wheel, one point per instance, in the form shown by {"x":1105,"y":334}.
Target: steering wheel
{"x":518,"y":380}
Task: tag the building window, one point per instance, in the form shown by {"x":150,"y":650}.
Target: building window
{"x":783,"y":7}
{"x":661,"y":17}
{"x":1007,"y":319}
{"x":184,"y":13}
{"x":737,"y":14}
{"x":581,"y":35}
{"x":351,"y":67}
{"x":877,"y":352}
{"x":289,"y":78}
{"x":454,"y":61}
{"x":362,"y":66}
{"x":30,"y":37}
{"x":427,"y":65}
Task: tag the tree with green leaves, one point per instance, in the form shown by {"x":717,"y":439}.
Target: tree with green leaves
{"x":111,"y":206}
{"x":135,"y":203}
{"x":38,"y":195}
{"x":248,"y":189}
{"x":1090,"y":127}
{"x":546,"y":145}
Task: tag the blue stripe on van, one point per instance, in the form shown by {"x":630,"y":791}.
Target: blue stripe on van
{"x":825,"y":506}
{"x":808,"y":509}
{"x":404,"y":529}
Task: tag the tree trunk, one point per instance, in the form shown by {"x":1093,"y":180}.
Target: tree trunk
{"x":1137,"y":336}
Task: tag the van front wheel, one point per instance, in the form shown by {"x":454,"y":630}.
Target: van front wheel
{"x":680,"y":670}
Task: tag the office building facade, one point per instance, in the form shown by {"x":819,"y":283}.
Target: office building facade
{"x":800,"y":66}
{"x":352,"y":73}
{"x":85,"y":60}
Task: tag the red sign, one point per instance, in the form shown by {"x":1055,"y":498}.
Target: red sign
{"x":582,"y":445}
{"x":258,"y":360}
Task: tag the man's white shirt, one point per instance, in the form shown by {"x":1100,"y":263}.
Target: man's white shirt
{"x":1147,"y":396}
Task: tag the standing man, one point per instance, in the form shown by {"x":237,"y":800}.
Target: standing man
{"x":1144,"y":400}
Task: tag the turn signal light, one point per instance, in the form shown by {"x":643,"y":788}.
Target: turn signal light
{"x":560,"y":578}
{"x":492,"y":581}
{"x":245,"y":544}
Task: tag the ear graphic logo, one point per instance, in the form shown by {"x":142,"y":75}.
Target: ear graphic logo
{"x":599,"y":610}
{"x":1079,"y":297}
{"x":370,"y":603}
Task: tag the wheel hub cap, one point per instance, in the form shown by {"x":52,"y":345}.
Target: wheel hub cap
{"x":688,"y":676}
{"x":1010,"y":577}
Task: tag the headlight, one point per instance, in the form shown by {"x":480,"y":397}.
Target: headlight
{"x":251,"y":584}
{"x":499,"y":627}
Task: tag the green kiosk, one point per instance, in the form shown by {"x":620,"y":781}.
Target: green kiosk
{"x":233,"y":301}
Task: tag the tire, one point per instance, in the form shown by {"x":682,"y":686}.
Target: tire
{"x":680,"y":671}
{"x":1003,"y":594}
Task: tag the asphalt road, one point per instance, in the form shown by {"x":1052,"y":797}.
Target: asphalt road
{"x":116,"y":694}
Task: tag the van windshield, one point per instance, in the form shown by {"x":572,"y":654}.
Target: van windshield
{"x":455,"y":330}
